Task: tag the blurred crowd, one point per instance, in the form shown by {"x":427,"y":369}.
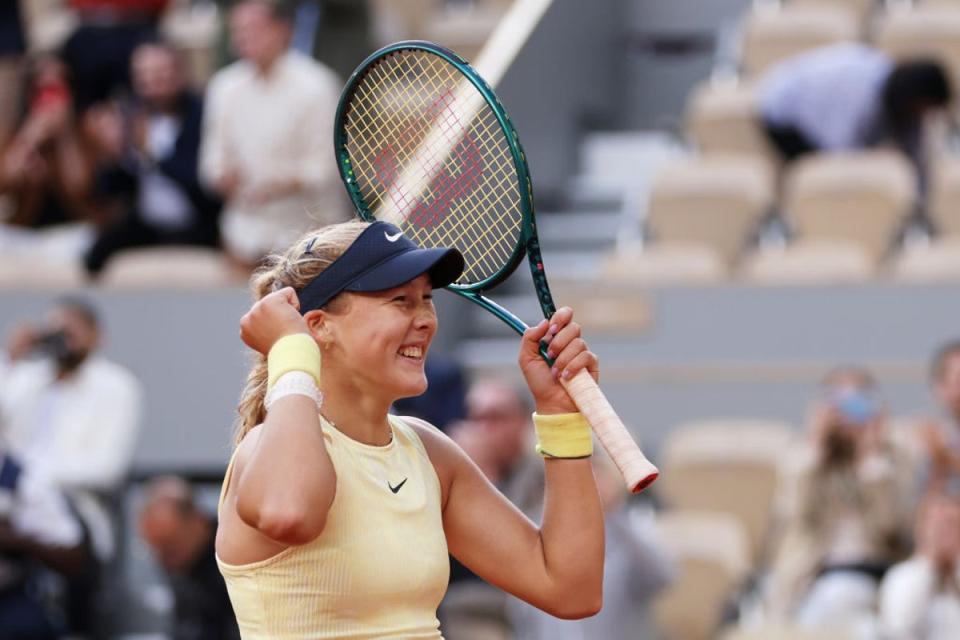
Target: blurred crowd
{"x":109,"y":139}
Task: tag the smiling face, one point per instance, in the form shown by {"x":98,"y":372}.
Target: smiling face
{"x":380,"y":341}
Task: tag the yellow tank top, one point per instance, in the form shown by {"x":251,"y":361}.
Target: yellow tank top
{"x":378,"y":570}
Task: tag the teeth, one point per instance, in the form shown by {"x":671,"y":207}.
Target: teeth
{"x":412,"y":352}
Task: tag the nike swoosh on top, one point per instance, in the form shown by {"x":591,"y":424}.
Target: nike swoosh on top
{"x":394,"y":237}
{"x":395,"y":489}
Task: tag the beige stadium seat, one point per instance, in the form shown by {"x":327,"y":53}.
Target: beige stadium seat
{"x":938,"y":262}
{"x":17,"y":273}
{"x":664,"y":264}
{"x":943,"y":203}
{"x":727,"y":466}
{"x":194,"y":29}
{"x":857,"y":197}
{"x":809,"y":262}
{"x":774,"y":33}
{"x":169,"y":267}
{"x":712,"y":201}
{"x":782,"y":632}
{"x":712,"y":556}
{"x":722,"y":118}
{"x":861,"y":9}
{"x":922,"y":31}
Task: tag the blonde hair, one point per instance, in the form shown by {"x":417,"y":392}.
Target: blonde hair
{"x":296,"y":267}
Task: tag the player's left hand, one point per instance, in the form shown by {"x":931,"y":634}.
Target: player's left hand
{"x":570,"y":354}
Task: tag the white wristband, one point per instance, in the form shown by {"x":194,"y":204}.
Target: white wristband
{"x":294,"y":383}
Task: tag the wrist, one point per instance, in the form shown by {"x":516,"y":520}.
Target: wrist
{"x":553,"y":408}
{"x":293,"y":352}
{"x":563,"y":435}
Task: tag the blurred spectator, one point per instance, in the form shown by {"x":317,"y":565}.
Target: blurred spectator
{"x":99,"y":49}
{"x":71,"y":414}
{"x":851,"y":96}
{"x":844,"y":511}
{"x":40,"y":538}
{"x":266,"y":139}
{"x":43,"y":170}
{"x":12,"y":46}
{"x":942,"y":437}
{"x":920,"y":598}
{"x":151,"y":150}
{"x":182,"y":537}
{"x":636,"y":568}
{"x":498,"y":437}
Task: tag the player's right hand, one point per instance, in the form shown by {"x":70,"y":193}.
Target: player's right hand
{"x":272,"y":317}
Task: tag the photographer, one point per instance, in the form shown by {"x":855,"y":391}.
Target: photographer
{"x":42,"y":542}
{"x":71,"y":415}
{"x":844,"y":511}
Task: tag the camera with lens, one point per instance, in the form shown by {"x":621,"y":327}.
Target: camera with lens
{"x":53,"y":344}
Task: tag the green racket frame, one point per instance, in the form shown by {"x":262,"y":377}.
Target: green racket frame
{"x":528,"y":243}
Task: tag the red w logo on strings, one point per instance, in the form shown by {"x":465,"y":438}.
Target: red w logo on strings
{"x":453,"y":176}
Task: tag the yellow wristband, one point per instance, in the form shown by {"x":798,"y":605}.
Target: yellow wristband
{"x":563,"y":435}
{"x":297,"y":352}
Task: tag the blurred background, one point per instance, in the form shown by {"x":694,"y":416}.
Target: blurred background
{"x":752,"y":206}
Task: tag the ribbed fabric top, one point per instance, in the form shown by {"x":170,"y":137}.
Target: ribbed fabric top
{"x":378,"y":570}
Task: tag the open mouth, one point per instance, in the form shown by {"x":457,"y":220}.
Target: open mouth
{"x":413,"y":353}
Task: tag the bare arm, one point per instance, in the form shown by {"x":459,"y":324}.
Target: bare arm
{"x":288,"y":483}
{"x":557,"y":567}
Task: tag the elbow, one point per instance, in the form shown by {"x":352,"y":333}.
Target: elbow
{"x":285,"y":524}
{"x":585,"y":606}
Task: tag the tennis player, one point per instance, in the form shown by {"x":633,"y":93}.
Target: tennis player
{"x":337,"y":523}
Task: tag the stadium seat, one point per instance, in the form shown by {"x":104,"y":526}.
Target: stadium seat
{"x":712,"y":201}
{"x":808,"y":263}
{"x":664,"y":264}
{"x":775,"y":33}
{"x":785,"y":632}
{"x":47,"y":23}
{"x":169,"y":267}
{"x":944,"y":195}
{"x":20,"y":274}
{"x":861,"y":9}
{"x":938,"y":262}
{"x":194,"y":29}
{"x":924,"y":30}
{"x":722,"y":118}
{"x":738,"y":460}
{"x":712,"y":554}
{"x":858,"y":197}
{"x":605,"y":306}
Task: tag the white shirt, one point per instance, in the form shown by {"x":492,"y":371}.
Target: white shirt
{"x":163,"y":202}
{"x":911,"y":607}
{"x":80,"y":432}
{"x":832,"y":94}
{"x":271,"y":128}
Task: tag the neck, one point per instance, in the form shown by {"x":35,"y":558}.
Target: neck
{"x":358,"y":414}
{"x":265,"y":66}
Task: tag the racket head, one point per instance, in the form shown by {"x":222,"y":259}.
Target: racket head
{"x":423,"y":142}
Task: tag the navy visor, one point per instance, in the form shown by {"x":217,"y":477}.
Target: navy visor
{"x":380,"y":258}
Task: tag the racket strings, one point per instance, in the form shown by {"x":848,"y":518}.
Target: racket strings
{"x":429,"y":154}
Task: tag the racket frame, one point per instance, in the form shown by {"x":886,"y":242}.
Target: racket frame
{"x":528,"y":243}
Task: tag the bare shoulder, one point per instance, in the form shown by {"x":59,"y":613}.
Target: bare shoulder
{"x":439,"y":446}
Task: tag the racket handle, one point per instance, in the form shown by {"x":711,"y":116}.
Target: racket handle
{"x":637,"y":471}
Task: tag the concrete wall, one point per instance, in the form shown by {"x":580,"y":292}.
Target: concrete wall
{"x":726,"y":351}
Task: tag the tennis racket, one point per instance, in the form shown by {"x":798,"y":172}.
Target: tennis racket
{"x":423,"y":143}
